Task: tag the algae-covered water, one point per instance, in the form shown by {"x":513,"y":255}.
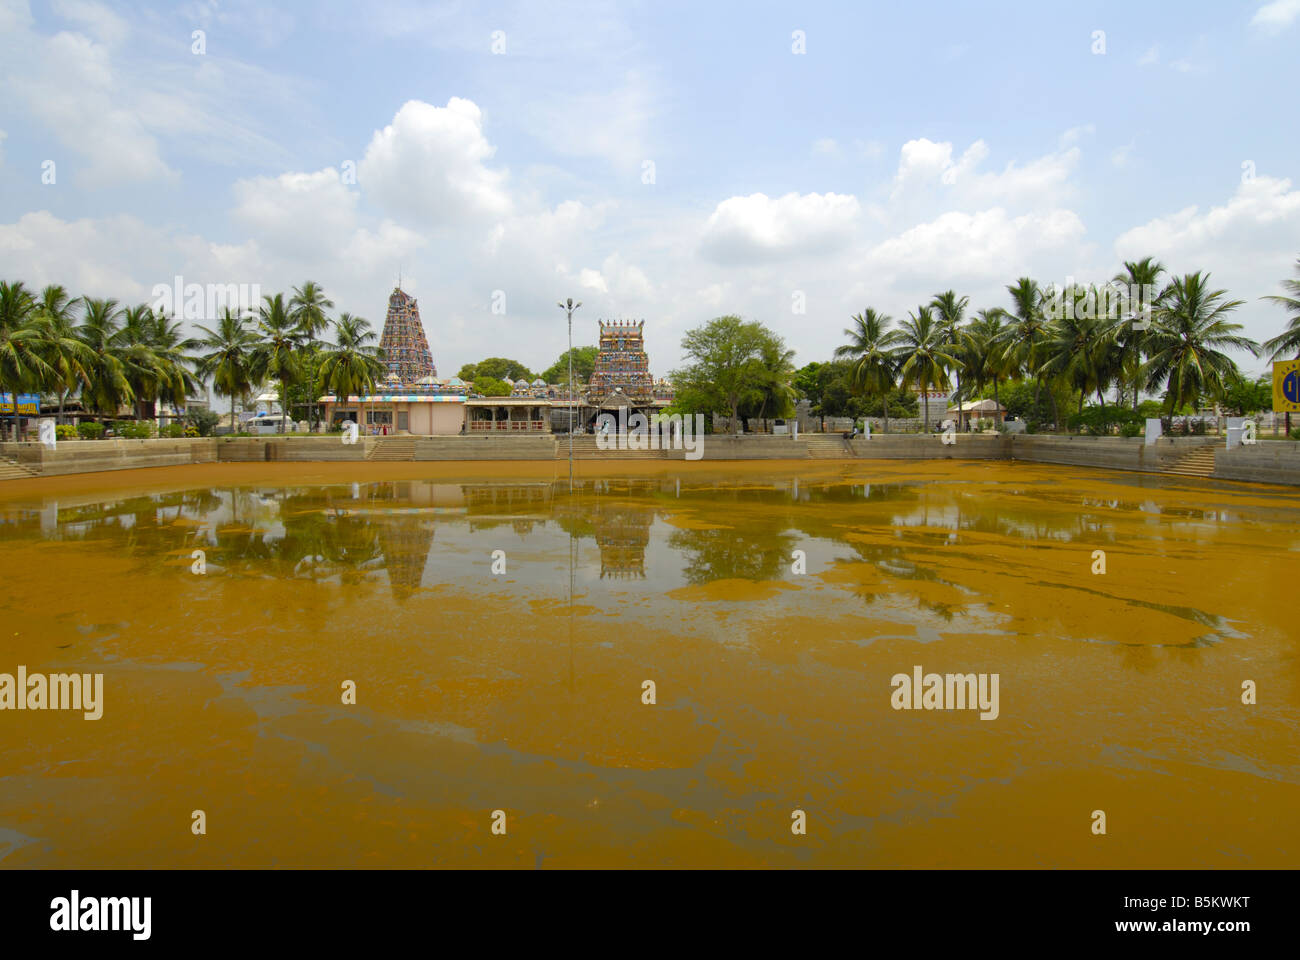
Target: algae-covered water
{"x":500,"y":632}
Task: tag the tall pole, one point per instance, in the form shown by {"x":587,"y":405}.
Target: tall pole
{"x":568,"y":306}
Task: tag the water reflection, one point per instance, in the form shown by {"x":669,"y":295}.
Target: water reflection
{"x":662,"y":531}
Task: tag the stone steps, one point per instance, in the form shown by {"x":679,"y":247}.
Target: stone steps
{"x":12,"y":470}
{"x":827,"y":447}
{"x":1198,"y":463}
{"x":392,"y":448}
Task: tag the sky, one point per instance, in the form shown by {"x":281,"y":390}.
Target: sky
{"x":793,"y":163}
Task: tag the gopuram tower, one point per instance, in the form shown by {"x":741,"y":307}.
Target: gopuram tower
{"x":406,"y":349}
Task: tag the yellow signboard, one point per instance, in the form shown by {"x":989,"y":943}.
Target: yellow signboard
{"x":1286,"y":386}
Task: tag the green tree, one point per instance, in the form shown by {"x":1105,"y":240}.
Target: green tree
{"x":950,"y":310}
{"x":491,"y":386}
{"x":584,"y":362}
{"x":21,"y":364}
{"x":60,"y":346}
{"x":1137,"y":275}
{"x":1287,"y":342}
{"x":984,"y":349}
{"x":353,"y":364}
{"x":231,"y":358}
{"x":277,"y":356}
{"x":499,"y":367}
{"x":308,"y":307}
{"x":722,"y":363}
{"x":106,"y":387}
{"x":1185,"y":340}
{"x":923,"y":356}
{"x":870,"y":352}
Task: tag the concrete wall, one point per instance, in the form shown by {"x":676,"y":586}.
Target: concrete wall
{"x":1268,"y":461}
{"x":329,"y":447}
{"x":931,"y":447}
{"x":1114,"y":453}
{"x":89,"y":456}
{"x":715,"y":446}
{"x":528,"y":447}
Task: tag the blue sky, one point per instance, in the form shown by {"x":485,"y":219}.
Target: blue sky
{"x":908,"y":149}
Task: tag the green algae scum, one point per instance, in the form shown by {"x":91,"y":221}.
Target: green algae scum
{"x":954,"y":664}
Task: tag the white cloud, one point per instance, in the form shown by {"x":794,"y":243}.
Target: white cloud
{"x":430,"y":164}
{"x":1120,"y":156}
{"x":305,"y":214}
{"x":826,"y":147}
{"x":1248,"y":244}
{"x":1276,"y":16}
{"x":1152,"y":56}
{"x":103,"y":24}
{"x":757,"y":227}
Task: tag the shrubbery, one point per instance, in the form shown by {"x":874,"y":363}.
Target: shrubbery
{"x":65,"y":431}
{"x":90,"y":430}
{"x":172,"y":431}
{"x":1103,"y":421}
{"x":133,"y":429}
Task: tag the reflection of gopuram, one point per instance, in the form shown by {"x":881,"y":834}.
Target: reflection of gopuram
{"x":622,"y":534}
{"x":490,"y":504}
{"x":405,"y":541}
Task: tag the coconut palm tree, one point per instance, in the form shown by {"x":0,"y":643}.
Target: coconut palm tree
{"x":1289,"y":340}
{"x":62,"y":349}
{"x":1185,"y":338}
{"x":353,"y":364}
{"x":21,"y":363}
{"x":873,"y":366}
{"x":950,"y":310}
{"x":278,"y":355}
{"x":230,"y":359}
{"x":1141,"y":277}
{"x":1079,"y":346}
{"x":307,"y":306}
{"x":923,"y":357}
{"x":106,"y":386}
{"x":985,"y":348}
{"x":1025,"y":341}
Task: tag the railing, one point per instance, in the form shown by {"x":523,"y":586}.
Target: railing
{"x":507,"y":426}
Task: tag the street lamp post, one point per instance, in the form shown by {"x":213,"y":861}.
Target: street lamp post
{"x":568,"y":306}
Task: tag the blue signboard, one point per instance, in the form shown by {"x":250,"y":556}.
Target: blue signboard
{"x":28,"y":404}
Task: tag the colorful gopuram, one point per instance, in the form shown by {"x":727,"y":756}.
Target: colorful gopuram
{"x":622,"y":364}
{"x":404,"y":344}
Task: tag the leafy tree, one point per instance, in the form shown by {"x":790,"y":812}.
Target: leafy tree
{"x":584,"y":362}
{"x":724,"y":355}
{"x":497,"y":367}
{"x":353,"y":364}
{"x":1184,"y":340}
{"x":1243,"y":397}
{"x":278,"y":355}
{"x":230,"y":359}
{"x":873,"y":363}
{"x":106,"y":386}
{"x":949,"y":311}
{"x":60,"y":346}
{"x":1287,"y":342}
{"x":21,"y":363}
{"x":923,"y":355}
{"x":491,"y":386}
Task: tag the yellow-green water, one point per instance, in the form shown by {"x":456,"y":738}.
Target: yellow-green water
{"x":476,"y":691}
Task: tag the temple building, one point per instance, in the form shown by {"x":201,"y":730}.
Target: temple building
{"x":406,"y":349}
{"x":620,"y":378}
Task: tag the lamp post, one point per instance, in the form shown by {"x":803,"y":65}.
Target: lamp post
{"x":568,"y":306}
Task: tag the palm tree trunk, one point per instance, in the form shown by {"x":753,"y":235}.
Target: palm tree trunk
{"x":884,"y":402}
{"x":62,"y":394}
{"x":998,"y":412}
{"x":959,"y":410}
{"x":925,"y":411}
